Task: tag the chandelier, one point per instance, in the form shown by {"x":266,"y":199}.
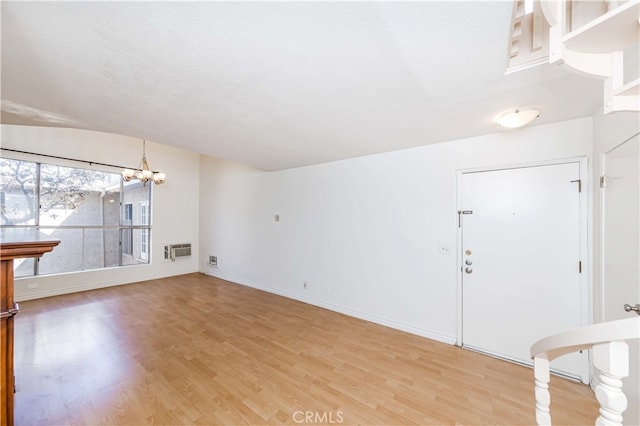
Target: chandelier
{"x":143,"y":173}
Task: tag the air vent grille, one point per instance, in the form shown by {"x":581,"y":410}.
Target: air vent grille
{"x":175,"y":251}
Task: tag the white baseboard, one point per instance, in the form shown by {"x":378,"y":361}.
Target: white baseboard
{"x":429,"y":334}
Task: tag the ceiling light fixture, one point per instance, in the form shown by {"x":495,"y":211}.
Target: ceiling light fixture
{"x":518,"y":117}
{"x":143,"y":173}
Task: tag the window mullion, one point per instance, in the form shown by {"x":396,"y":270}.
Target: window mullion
{"x":36,"y":220}
{"x":120,"y":222}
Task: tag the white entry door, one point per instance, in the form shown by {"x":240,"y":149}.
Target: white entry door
{"x":621,"y":253}
{"x":522,"y":279}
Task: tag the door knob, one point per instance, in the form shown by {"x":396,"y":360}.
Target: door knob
{"x":468,"y":262}
{"x":629,"y":308}
{"x":468,"y":270}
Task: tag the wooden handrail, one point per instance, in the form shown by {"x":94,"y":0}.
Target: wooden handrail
{"x":610,"y":357}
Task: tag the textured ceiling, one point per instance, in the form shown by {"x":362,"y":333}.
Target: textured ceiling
{"x":275,"y":84}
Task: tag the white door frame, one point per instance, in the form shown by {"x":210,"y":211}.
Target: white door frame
{"x":602,"y":289}
{"x":601,"y":207}
{"x":586,"y":298}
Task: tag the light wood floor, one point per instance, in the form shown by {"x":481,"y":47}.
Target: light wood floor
{"x":198,"y":350}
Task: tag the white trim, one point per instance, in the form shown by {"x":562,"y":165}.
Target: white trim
{"x":601,"y":254}
{"x":586,"y":288}
{"x":459,"y":259}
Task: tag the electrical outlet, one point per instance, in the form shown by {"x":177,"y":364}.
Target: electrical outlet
{"x":305,"y":285}
{"x":32,"y":286}
{"x":213,"y":261}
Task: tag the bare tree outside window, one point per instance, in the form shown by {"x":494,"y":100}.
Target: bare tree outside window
{"x":18,"y":193}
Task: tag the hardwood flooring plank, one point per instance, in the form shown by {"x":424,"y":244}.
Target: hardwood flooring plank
{"x":198,"y":350}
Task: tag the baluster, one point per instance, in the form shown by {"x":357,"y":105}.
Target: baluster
{"x":612,"y":359}
{"x":543,"y":398}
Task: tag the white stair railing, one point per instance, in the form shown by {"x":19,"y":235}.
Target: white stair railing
{"x":610,"y":358}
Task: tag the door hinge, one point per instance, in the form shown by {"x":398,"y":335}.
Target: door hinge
{"x":579,"y":184}
{"x":580,"y":266}
{"x":460,"y":213}
{"x":603,"y":181}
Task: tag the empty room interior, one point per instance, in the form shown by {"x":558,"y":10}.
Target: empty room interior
{"x":381,"y":213}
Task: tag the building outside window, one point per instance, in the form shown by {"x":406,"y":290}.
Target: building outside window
{"x":144,"y":233}
{"x":127,"y":233}
{"x":91,"y":213}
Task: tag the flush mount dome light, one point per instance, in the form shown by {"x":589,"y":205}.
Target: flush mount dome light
{"x":518,"y":117}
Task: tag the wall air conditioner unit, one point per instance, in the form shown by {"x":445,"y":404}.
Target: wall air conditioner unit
{"x":175,"y":251}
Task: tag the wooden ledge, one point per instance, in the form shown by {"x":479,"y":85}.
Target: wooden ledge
{"x":20,"y":243}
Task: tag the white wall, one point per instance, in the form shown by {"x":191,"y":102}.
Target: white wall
{"x":363,"y":233}
{"x":174,"y":211}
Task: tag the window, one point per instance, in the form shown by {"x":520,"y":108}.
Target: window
{"x":81,"y":208}
{"x":127,"y":233}
{"x":144,"y":233}
{"x":128,"y":212}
